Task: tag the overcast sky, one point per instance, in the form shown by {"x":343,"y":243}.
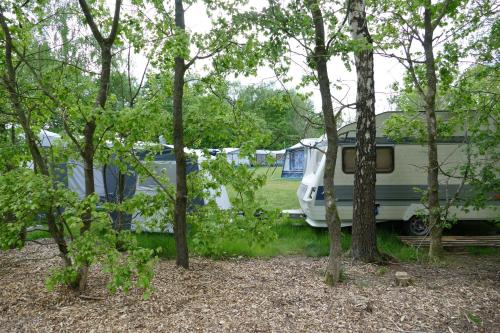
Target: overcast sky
{"x":387,"y":71}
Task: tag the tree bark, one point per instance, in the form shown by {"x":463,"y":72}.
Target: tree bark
{"x":88,"y":151}
{"x":364,"y":240}
{"x":320,"y":58}
{"x":180,"y":225}
{"x":436,"y":228}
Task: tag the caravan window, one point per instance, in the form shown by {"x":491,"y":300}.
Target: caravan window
{"x":385,"y":159}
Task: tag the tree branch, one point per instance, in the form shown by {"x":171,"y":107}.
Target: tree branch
{"x":90,"y":21}
{"x":114,"y":26}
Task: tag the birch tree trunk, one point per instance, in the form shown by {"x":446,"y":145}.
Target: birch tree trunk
{"x":364,"y":240}
{"x":180,"y":225}
{"x":320,"y":58}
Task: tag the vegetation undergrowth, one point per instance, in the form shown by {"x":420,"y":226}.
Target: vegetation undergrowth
{"x":293,"y":238}
{"x":483,"y":251}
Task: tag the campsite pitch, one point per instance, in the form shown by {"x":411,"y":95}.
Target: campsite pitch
{"x":282,"y":294}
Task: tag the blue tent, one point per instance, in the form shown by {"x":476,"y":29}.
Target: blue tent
{"x":295,"y":160}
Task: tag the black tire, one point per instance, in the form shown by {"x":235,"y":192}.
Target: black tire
{"x":416,"y":226}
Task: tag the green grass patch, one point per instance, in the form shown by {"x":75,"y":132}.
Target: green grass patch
{"x":390,"y":244}
{"x":292,"y":239}
{"x":37,"y":234}
{"x":163,"y":244}
{"x":277,"y":193}
{"x":483,"y":251}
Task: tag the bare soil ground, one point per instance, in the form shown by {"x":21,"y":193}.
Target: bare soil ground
{"x":283,"y":294}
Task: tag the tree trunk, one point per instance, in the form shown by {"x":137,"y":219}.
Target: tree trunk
{"x":40,"y":164}
{"x":119,"y":199}
{"x":88,"y":151}
{"x":430,"y":111}
{"x":180,"y":227}
{"x":364,"y":240}
{"x":88,"y":166}
{"x":332,"y":217}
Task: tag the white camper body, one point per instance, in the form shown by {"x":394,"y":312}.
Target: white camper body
{"x":401,"y":171}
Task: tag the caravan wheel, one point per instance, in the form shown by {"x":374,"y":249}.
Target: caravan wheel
{"x":416,"y":226}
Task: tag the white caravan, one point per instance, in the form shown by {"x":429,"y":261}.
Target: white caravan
{"x":401,"y":171}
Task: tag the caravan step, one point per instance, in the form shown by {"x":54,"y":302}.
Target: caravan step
{"x":294,"y":213}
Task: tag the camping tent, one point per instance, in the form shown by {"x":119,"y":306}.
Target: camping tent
{"x":48,"y":138}
{"x":106,"y":177}
{"x":278,"y":156}
{"x":261,"y":156}
{"x":233,"y":156}
{"x":295,"y":160}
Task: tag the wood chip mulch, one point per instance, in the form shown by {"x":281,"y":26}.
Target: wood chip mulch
{"x":283,"y":294}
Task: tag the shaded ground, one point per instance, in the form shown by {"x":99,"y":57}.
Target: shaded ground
{"x":283,"y":294}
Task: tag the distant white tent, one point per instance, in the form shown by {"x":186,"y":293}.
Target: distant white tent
{"x":261,"y":156}
{"x":279,"y":156}
{"x":48,"y":138}
{"x":233,"y":156}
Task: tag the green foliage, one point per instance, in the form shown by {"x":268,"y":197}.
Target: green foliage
{"x":24,"y":195}
{"x":245,"y":220}
{"x":104,"y":246}
{"x":261,"y":116}
{"x":474,"y":318}
{"x":284,"y":114}
{"x":411,"y":126}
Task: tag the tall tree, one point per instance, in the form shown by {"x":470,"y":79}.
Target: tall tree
{"x":23,"y":117}
{"x":320,"y":58}
{"x":222,"y":44}
{"x":364,"y":240}
{"x":429,"y":96}
{"x":312,"y":26}
{"x":88,"y":150}
{"x":180,"y":225}
{"x":432,"y":35}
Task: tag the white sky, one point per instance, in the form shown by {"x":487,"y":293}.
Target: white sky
{"x":387,"y":71}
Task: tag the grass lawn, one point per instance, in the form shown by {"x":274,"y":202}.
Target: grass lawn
{"x":292,"y":239}
{"x":276,"y":193}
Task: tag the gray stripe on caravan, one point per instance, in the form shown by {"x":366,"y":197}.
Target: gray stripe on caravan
{"x":396,"y":193}
{"x":405,"y":141}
